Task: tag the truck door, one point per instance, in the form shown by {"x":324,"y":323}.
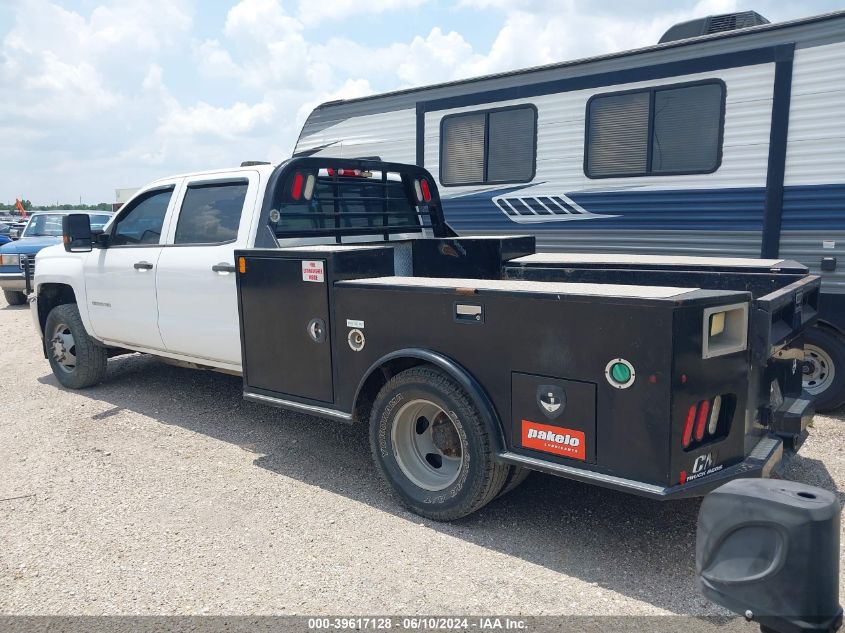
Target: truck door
{"x":120,"y":281}
{"x":197,"y":297}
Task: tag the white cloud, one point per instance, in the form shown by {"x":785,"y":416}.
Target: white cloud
{"x":313,"y":13}
{"x":129,"y":90}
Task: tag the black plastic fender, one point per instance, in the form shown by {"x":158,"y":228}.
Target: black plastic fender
{"x":479,"y":397}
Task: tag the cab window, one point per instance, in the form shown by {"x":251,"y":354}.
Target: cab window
{"x":141,"y":224}
{"x":211,"y":213}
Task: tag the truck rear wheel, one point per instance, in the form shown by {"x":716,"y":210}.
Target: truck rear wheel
{"x":516,"y":475}
{"x":14,"y":297}
{"x":431,"y":445}
{"x":824,"y":368}
{"x":77,"y":361}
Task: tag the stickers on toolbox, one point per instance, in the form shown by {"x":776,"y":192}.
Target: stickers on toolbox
{"x":313,"y":271}
{"x":554,"y":439}
{"x":553,"y":418}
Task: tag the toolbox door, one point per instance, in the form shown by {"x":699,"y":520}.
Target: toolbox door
{"x":285,"y":312}
{"x":553,"y":418}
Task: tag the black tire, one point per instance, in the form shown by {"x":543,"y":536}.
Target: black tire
{"x":90,"y":363}
{"x":14,"y":297}
{"x":824,"y":376}
{"x":516,"y":475}
{"x":479,"y":477}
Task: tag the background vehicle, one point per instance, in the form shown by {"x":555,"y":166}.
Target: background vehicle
{"x":728,"y":142}
{"x":42,"y":229}
{"x":356,"y":301}
{"x":4,"y":233}
{"x":16,"y":227}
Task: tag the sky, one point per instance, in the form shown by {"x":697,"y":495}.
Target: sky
{"x":106,"y":94}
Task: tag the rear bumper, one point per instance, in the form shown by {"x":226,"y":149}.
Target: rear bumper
{"x":759,"y":463}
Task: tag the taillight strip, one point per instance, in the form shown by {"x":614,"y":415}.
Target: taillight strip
{"x":701,"y":422}
{"x":687,"y":438}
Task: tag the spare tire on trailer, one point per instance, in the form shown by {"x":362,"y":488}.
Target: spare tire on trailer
{"x":431,"y":445}
{"x":824,"y":367}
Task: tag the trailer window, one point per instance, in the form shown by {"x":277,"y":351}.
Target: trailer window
{"x":656,"y":131}
{"x":493,"y":146}
{"x":211,"y":213}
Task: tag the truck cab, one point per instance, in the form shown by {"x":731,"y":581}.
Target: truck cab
{"x":160,"y":277}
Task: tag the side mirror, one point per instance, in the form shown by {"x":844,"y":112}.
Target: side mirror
{"x":769,"y":550}
{"x":76,"y":233}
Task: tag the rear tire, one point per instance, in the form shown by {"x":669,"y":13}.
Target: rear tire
{"x":516,"y":475}
{"x":432,"y":447}
{"x":824,"y":368}
{"x":77,"y":361}
{"x":14,"y":297}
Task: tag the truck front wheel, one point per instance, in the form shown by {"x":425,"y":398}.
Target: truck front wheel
{"x":824,"y":368}
{"x":431,"y":445}
{"x":77,"y":361}
{"x":14,"y":297}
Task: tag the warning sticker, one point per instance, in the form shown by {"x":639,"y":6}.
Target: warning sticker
{"x":554,"y":439}
{"x":313,"y":271}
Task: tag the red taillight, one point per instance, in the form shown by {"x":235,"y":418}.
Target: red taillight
{"x":348,"y":173}
{"x":426,"y":192}
{"x":687,"y":438}
{"x":701,"y":422}
{"x":296,"y":189}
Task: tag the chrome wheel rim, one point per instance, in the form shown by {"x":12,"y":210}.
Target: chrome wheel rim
{"x":818,"y":369}
{"x":63,"y":347}
{"x":427,"y":445}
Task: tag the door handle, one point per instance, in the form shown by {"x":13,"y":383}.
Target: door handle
{"x":223,"y":267}
{"x":142,"y":266}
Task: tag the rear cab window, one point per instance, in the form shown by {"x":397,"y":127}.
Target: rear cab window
{"x":211,"y":210}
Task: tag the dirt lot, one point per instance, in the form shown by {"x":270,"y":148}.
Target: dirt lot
{"x":162,"y":492}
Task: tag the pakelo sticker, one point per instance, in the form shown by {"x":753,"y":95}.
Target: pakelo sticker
{"x":554,"y":439}
{"x":313,"y":271}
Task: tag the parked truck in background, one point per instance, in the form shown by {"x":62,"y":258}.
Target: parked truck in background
{"x":336,"y":288}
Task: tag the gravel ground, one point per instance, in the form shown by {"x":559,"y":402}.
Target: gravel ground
{"x":162,"y":492}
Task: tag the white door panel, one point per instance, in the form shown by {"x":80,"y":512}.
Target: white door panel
{"x":120,"y":280}
{"x":198,"y":308}
{"x":197,"y":305}
{"x":121,"y":288}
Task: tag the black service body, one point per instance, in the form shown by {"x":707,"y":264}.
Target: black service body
{"x":321,"y":324}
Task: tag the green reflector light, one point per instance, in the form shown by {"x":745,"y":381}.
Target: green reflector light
{"x":620,"y":372}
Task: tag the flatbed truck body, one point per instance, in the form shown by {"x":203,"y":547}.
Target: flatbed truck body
{"x":598,"y":370}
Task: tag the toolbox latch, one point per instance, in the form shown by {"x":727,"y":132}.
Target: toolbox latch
{"x":469,"y":313}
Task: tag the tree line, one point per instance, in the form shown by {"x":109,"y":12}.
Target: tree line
{"x":102,"y":206}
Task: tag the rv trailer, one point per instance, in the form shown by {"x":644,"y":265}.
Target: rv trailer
{"x":729,"y":141}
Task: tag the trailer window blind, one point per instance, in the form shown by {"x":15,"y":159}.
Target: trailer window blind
{"x":494,"y":146}
{"x":618,"y":135}
{"x":511,"y":152}
{"x":687,"y":122}
{"x":463,"y":149}
{"x":667,"y":130}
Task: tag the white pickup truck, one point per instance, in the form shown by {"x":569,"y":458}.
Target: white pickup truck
{"x":423,"y":333}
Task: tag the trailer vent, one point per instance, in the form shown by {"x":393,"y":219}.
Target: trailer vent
{"x":713,"y":24}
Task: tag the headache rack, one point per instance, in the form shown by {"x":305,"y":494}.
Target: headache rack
{"x":311,"y":198}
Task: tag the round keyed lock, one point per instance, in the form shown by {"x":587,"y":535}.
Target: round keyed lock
{"x":317,"y":330}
